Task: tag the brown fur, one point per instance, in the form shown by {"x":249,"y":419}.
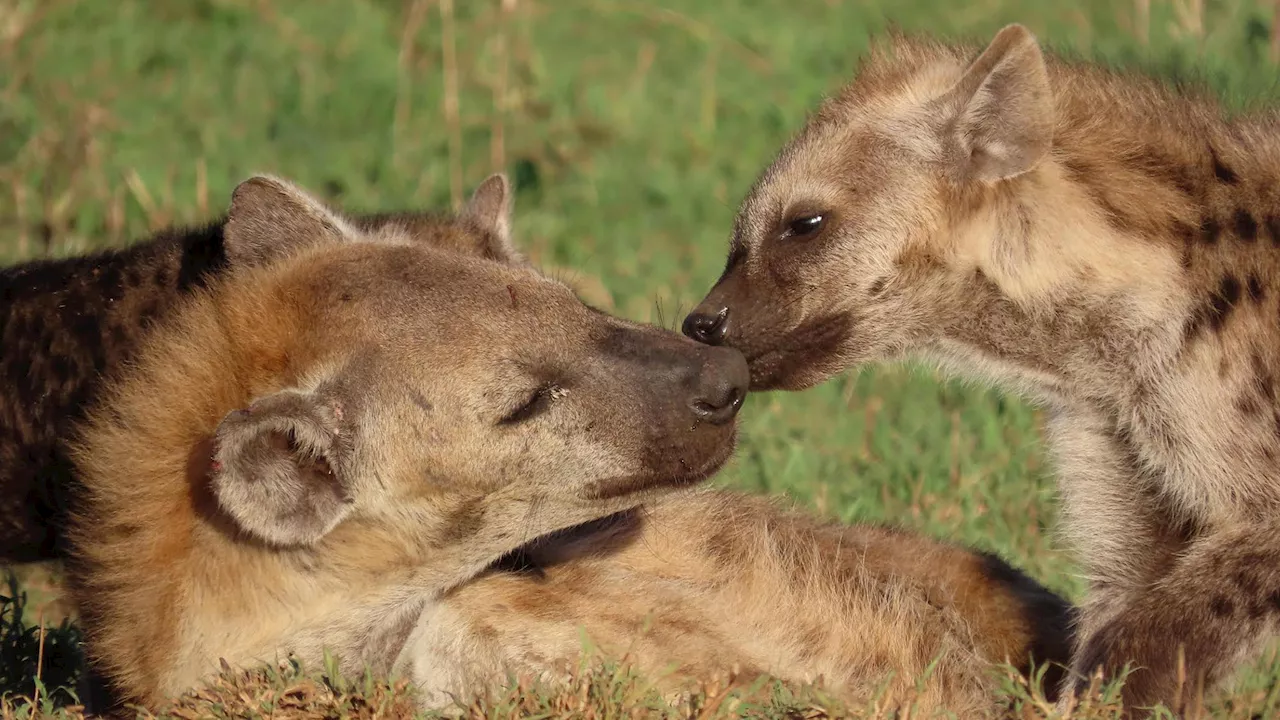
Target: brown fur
{"x":185,"y":562}
{"x":1092,"y":239}
{"x":695,"y":584}
{"x":69,"y":324}
{"x":309,"y":452}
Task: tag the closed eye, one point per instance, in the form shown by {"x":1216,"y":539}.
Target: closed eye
{"x":538,"y":402}
{"x":804,"y":226}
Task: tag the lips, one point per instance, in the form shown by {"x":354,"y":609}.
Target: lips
{"x":802,"y":357}
{"x":637,"y":484}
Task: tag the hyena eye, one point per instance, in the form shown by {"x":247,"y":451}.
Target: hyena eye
{"x":803,"y":226}
{"x":534,"y":405}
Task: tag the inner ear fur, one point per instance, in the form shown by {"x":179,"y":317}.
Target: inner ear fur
{"x":271,"y":218}
{"x":488,"y":212}
{"x":1001,"y":111}
{"x":279,"y":468}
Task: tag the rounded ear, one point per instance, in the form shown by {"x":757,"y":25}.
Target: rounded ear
{"x":489,"y":212}
{"x":278,"y":468}
{"x":271,"y":218}
{"x":1001,"y":110}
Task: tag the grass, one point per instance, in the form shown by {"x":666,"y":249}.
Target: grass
{"x":631,"y":128}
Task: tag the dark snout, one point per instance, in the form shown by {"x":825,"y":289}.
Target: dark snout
{"x":678,"y":407}
{"x":720,"y":386}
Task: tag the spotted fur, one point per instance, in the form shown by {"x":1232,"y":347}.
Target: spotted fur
{"x":310,"y":451}
{"x":267,"y":480}
{"x":1093,"y":239}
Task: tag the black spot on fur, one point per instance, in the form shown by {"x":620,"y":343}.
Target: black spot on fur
{"x":1221,"y":171}
{"x":1221,"y":607}
{"x":420,"y":400}
{"x":1246,"y":582}
{"x":1223,"y":302}
{"x":877,"y":285}
{"x":1245,"y":226}
{"x":463,"y":522}
{"x":1209,"y":230}
{"x":1248,"y":404}
{"x":1256,"y":291}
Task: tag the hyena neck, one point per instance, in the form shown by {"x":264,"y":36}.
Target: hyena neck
{"x":1056,"y":304}
{"x":1143,"y":248}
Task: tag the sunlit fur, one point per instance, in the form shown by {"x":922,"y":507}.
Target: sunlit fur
{"x":1093,"y":239}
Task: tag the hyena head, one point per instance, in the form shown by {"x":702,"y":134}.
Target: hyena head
{"x":877,"y":225}
{"x":420,"y":380}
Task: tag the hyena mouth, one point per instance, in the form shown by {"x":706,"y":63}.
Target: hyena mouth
{"x":688,"y":475}
{"x":804,"y":356}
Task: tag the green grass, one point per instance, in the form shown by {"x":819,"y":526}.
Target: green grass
{"x":632,"y":129}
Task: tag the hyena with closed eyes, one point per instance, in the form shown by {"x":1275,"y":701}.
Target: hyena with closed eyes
{"x":1097,"y":241}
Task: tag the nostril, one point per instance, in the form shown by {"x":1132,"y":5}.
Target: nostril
{"x":702,"y":407}
{"x":721,"y":407}
{"x":736,"y":396}
{"x":706,"y":328}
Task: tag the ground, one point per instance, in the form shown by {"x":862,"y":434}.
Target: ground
{"x":632,"y":128}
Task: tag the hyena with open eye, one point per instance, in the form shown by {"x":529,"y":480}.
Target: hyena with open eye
{"x":1094,"y":240}
{"x":387,"y":448}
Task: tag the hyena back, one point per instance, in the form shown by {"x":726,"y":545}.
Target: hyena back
{"x":1094,"y":240}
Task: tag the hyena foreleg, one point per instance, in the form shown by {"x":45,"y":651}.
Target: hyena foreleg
{"x":1115,"y":521}
{"x":1184,"y":632}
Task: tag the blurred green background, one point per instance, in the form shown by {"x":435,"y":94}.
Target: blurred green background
{"x":632,"y":130}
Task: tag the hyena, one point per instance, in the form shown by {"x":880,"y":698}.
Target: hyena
{"x":64,"y":326}
{"x":342,"y":449}
{"x":1094,"y":240}
{"x":309,"y":450}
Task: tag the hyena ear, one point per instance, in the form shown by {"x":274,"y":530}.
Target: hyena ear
{"x":489,"y":212}
{"x":1001,"y":110}
{"x":270,"y":219}
{"x":279,"y":468}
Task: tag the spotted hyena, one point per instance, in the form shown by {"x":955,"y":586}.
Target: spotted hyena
{"x":309,"y":450}
{"x":1094,"y":240}
{"x":371,"y":445}
{"x":66,"y":325}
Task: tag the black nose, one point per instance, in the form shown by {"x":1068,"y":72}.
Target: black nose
{"x":707,"y":329}
{"x":722,"y":386}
